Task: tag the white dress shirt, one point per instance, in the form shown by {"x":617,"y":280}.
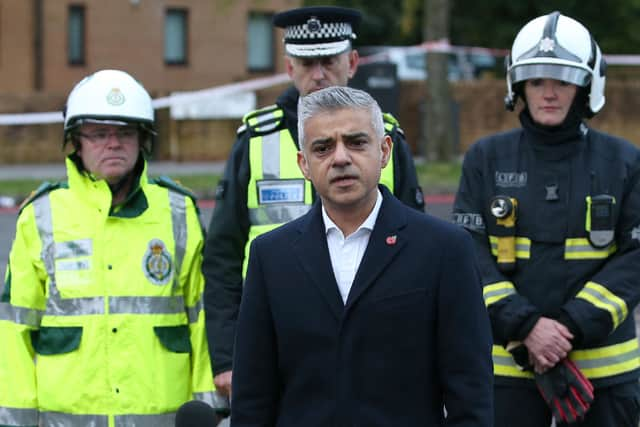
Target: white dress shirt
{"x":346,"y":252}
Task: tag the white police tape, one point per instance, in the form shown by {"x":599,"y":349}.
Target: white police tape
{"x":175,"y":99}
{"x":181,"y":98}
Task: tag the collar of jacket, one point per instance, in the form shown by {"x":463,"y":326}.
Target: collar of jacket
{"x":96,"y":191}
{"x":288,"y":101}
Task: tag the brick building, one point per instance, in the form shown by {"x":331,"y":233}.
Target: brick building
{"x":48,"y":45}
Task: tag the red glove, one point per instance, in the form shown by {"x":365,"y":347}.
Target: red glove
{"x":566,"y":390}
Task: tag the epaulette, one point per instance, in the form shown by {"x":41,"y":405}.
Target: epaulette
{"x":262,"y":121}
{"x":166,"y":182}
{"x":43,"y":189}
{"x":391,"y":122}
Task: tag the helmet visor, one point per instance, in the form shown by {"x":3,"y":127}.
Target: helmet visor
{"x":565,"y":73}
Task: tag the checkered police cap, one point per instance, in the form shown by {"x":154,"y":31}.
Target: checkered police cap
{"x":318,"y":31}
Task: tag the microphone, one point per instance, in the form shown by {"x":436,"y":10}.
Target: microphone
{"x":196,"y":413}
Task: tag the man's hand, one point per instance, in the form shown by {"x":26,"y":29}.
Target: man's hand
{"x":548,"y":343}
{"x":223,"y":383}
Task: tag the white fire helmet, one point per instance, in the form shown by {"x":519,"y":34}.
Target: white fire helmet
{"x":109,"y":96}
{"x":557,"y":47}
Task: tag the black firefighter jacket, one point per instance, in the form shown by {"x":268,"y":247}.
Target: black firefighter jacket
{"x":559,"y":273}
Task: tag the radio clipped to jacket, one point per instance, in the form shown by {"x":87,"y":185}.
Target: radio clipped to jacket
{"x":504,"y":210}
{"x":599,"y":221}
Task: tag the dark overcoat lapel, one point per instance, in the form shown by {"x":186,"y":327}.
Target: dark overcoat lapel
{"x":311,"y":249}
{"x":386,"y":241}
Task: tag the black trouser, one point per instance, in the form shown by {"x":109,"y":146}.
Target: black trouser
{"x":615,"y":406}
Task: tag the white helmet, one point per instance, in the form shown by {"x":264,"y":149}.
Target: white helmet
{"x":557,"y":47}
{"x":109,"y":96}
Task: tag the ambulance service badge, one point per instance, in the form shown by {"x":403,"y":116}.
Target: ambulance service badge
{"x":156,"y":263}
{"x":115,"y":97}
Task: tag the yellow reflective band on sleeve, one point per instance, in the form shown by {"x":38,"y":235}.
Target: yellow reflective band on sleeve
{"x":504,"y":365}
{"x":604,"y":299}
{"x":580,"y":248}
{"x":608,"y":361}
{"x":496,"y":291}
{"x":523,"y":247}
{"x":18,"y":416}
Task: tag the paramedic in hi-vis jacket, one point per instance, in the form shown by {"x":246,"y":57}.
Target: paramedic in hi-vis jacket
{"x":101,"y":318}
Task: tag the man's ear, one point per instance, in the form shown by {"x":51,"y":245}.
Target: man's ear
{"x":354,"y":59}
{"x":386,"y":146}
{"x":303,"y":165}
{"x":288,"y":65}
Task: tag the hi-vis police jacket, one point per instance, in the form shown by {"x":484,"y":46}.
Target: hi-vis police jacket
{"x":263,"y":188}
{"x":559,"y":273}
{"x":101,"y":319}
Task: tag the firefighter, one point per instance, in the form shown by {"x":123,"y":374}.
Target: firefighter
{"x":101,"y":318}
{"x":262,"y":186}
{"x":554,"y":208}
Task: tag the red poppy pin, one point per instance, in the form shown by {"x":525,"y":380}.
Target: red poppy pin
{"x":391,"y":240}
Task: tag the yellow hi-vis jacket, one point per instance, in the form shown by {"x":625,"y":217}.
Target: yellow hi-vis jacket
{"x":101,"y":320}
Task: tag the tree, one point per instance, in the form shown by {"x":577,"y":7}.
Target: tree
{"x":438,"y":144}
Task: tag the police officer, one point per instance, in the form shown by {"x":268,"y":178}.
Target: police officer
{"x":101,"y":320}
{"x":554,"y":207}
{"x":262,"y":186}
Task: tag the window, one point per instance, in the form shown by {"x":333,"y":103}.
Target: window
{"x":75,"y":41}
{"x":260,"y":42}
{"x":175,"y":37}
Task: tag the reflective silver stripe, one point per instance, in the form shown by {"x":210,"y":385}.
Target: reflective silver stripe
{"x":59,"y":419}
{"x":260,"y":122}
{"x":265,"y":215}
{"x":57,"y":306}
{"x":73,"y":248}
{"x":504,"y":360}
{"x":73,"y":265}
{"x":580,"y":248}
{"x":271,"y":156}
{"x":20,"y":315}
{"x":498,"y":292}
{"x":607,"y":361}
{"x":179,"y":224}
{"x":18,"y":416}
{"x":153,"y":420}
{"x":146,"y":305}
{"x":193,"y":312}
{"x":618,"y":312}
{"x":213,"y":398}
{"x":42,"y":213}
